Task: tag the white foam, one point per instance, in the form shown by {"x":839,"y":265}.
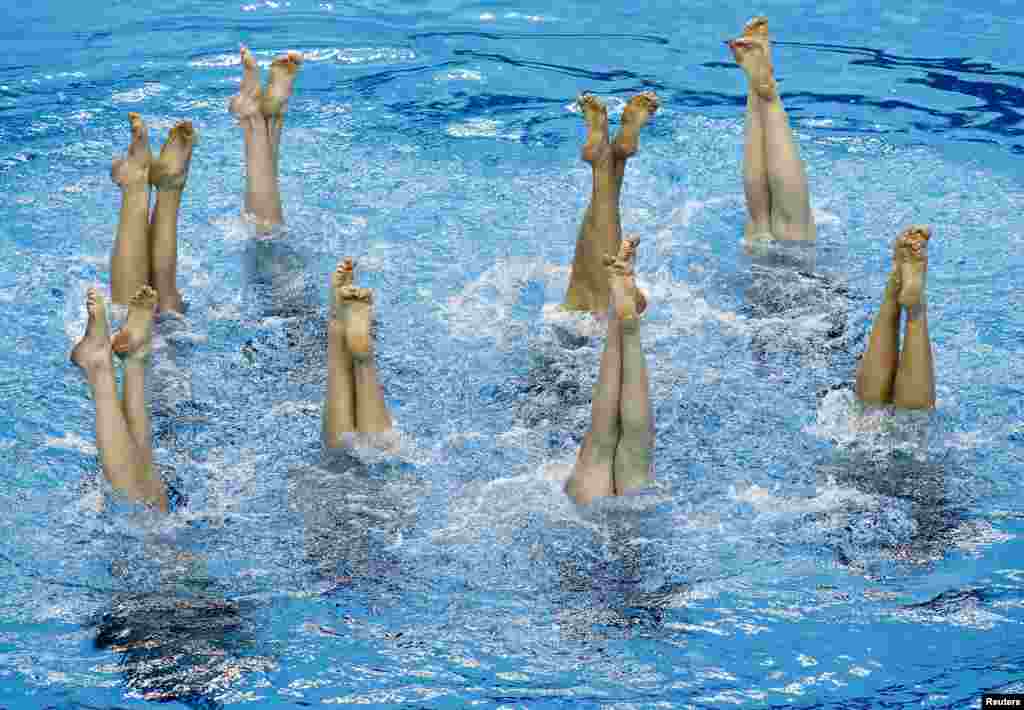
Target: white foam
{"x":459,"y":75}
{"x":484,"y":306}
{"x":375,"y":55}
{"x":842,"y":419}
{"x":830,"y":497}
{"x":481,"y":128}
{"x":529,"y":18}
{"x":498,"y":506}
{"x":823,"y":218}
{"x":72,"y":442}
{"x":577,"y":323}
{"x":218,"y":60}
{"x":138,"y":95}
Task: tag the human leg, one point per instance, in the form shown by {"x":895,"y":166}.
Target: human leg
{"x":592,"y":475}
{"x":755,"y":169}
{"x":122,"y":458}
{"x":789,"y":197}
{"x":339,"y":416}
{"x":168,"y":174}
{"x":635,"y":450}
{"x":262,"y":196}
{"x":372,"y":415}
{"x":635,"y":116}
{"x":133,"y":344}
{"x":601,"y":229}
{"x":129,"y":260}
{"x":914,"y":385}
{"x":877,"y":368}
{"x":274,"y":103}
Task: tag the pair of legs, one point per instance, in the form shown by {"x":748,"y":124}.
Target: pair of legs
{"x":774,"y":180}
{"x":261,"y":112}
{"x":888,"y":373}
{"x":355,"y":399}
{"x":601,"y":230}
{"x":617,"y":451}
{"x":146,"y":247}
{"x":124,"y":435}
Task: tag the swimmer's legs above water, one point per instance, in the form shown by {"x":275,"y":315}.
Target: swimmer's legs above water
{"x":774,"y":179}
{"x":601,"y":229}
{"x":146,"y":250}
{"x":123,"y":431}
{"x":168,"y":174}
{"x":274,"y":103}
{"x":130,"y":259}
{"x":261,"y":115}
{"x":616,"y":454}
{"x":889,"y":374}
{"x":355,"y":399}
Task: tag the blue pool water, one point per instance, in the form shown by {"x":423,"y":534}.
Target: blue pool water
{"x":787,"y":558}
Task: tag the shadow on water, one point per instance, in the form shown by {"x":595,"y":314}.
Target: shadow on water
{"x":352,"y":512}
{"x":619,"y":586}
{"x":919,"y":522}
{"x":792,"y":308}
{"x":999,"y":111}
{"x":184,"y":642}
{"x":177,"y":416}
{"x":279,"y":287}
{"x":552,"y":394}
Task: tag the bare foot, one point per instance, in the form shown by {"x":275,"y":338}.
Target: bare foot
{"x":93,"y":350}
{"x":246,"y":102}
{"x":170,"y":170}
{"x":911,"y":256}
{"x":133,"y":341}
{"x":752,"y":51}
{"x":634,"y":117}
{"x":757,"y":27}
{"x":279,"y":86}
{"x":250,"y":71}
{"x":341,"y":278}
{"x":358,"y":304}
{"x":344,"y":274}
{"x":596,"y":116}
{"x":132,"y":171}
{"x":627,"y":300}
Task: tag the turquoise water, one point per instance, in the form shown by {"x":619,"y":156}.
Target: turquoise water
{"x":787,"y":558}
